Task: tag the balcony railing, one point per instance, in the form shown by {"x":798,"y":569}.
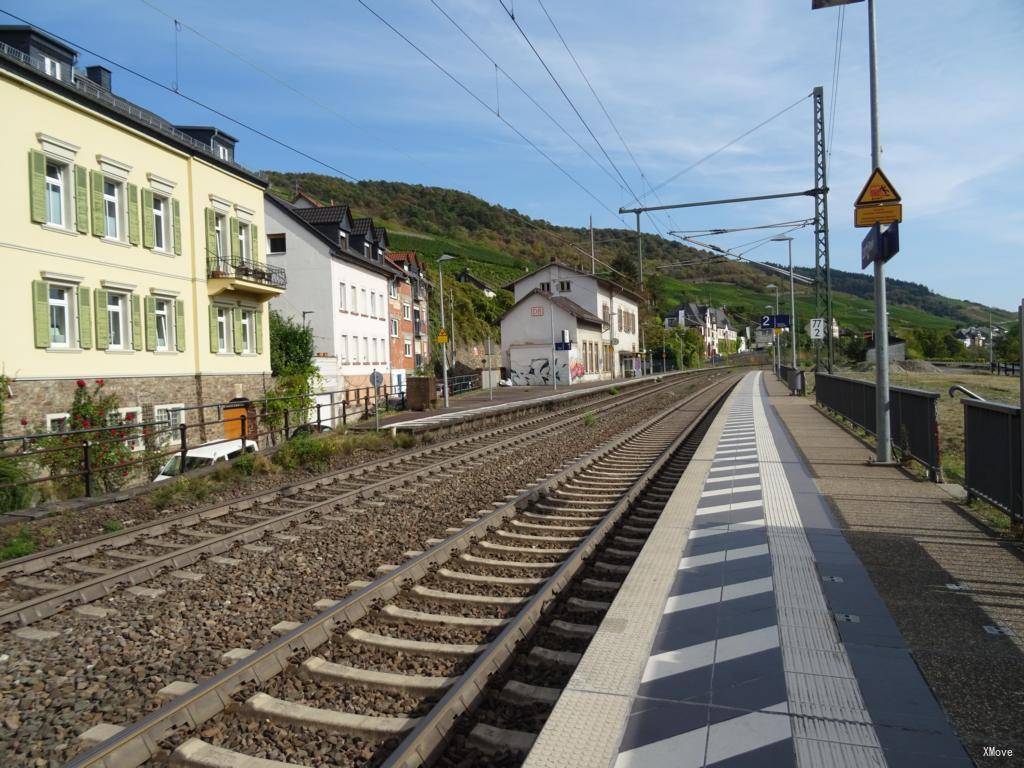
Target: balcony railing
{"x":246,"y":269}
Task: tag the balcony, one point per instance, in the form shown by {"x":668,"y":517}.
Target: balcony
{"x":244,"y":275}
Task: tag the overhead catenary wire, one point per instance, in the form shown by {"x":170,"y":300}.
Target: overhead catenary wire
{"x":836,"y":71}
{"x":191,"y":99}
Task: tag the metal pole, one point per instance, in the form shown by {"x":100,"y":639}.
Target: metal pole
{"x":640,"y":249}
{"x":883,"y":452}
{"x":593,"y":258}
{"x":444,"y":352}
{"x":778,"y":338}
{"x":490,"y":371}
{"x":1020,"y":371}
{"x":451,"y":308}
{"x":551,"y":327}
{"x":792,"y":304}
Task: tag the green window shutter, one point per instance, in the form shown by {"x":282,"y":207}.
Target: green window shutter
{"x":148,"y":237}
{"x":84,"y":318}
{"x":179,"y":324}
{"x":237,"y":330}
{"x":133,"y":213}
{"x":211,"y":235}
{"x":150,"y":323}
{"x":255,"y":231}
{"x":136,"y":323}
{"x":234,"y":240}
{"x":81,"y":200}
{"x":176,"y":226}
{"x":213,"y":328}
{"x":37,"y":189}
{"x":258,"y":319}
{"x":99,"y":222}
{"x":41,"y":313}
{"x":102,"y":319}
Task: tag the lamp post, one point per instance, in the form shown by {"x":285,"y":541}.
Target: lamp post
{"x":792,"y":295}
{"x":778,"y":339}
{"x":444,"y":361}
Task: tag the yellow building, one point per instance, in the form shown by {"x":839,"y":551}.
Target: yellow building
{"x":130,"y":250}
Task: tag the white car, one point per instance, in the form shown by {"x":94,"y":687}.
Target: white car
{"x":205,"y":455}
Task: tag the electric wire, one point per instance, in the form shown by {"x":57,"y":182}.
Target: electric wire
{"x":190,"y":99}
{"x":833,"y":111}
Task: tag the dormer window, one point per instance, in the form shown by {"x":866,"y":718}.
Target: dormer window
{"x":366,"y":250}
{"x":224,"y":152}
{"x":343,"y":238}
{"x":52,"y":67}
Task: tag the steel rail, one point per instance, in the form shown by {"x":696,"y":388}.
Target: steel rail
{"x":140,"y":741}
{"x":49,"y":603}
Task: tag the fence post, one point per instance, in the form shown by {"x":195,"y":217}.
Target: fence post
{"x":366,"y":401}
{"x":184,"y":447}
{"x":344,"y":412}
{"x":403,"y":394}
{"x":242,"y":421}
{"x":87,"y":468}
{"x":318,"y":417}
{"x":286,"y":429}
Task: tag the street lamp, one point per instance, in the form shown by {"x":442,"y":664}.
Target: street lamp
{"x":792,"y":294}
{"x":775,"y":333}
{"x":444,"y":368}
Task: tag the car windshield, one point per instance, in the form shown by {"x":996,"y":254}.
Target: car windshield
{"x":173,"y":467}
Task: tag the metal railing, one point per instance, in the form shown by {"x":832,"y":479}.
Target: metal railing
{"x":913,"y":415}
{"x":992,"y":460}
{"x":457,"y":384}
{"x":246,"y":269}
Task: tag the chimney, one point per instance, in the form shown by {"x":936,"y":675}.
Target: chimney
{"x":99,"y":75}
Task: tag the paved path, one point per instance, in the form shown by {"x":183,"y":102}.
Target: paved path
{"x":748,"y":632}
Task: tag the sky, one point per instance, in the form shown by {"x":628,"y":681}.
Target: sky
{"x":679,"y":79}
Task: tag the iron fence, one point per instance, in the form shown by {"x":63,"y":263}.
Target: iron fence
{"x":246,"y":269}
{"x":992,"y":460}
{"x":913,"y":415}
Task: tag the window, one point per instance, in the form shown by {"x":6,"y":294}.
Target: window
{"x":563,"y":286}
{"x":130,"y":416}
{"x":55,"y":207}
{"x":606,"y":314}
{"x":117,"y":320}
{"x":408,"y":348}
{"x":220,"y":232}
{"x":546,"y":287}
{"x":393,"y":289}
{"x":161,"y":237}
{"x":277,"y":243}
{"x":618,"y":323}
{"x":223,"y":329}
{"x":223,"y":152}
{"x":164,"y":325}
{"x":60,"y":316}
{"x":343,"y":238}
{"x":366,"y":349}
{"x":172,"y":416}
{"x":244,"y":241}
{"x":373,"y":304}
{"x":343,"y":349}
{"x":407,"y":311}
{"x":373,"y":359}
{"x":394,"y":326}
{"x":248,"y":344}
{"x":366,"y":250}
{"x":353,"y":305}
{"x":112,"y":209}
{"x":52,"y":67}
{"x":57,"y":422}
{"x":342,"y":297}
{"x":362,"y":303}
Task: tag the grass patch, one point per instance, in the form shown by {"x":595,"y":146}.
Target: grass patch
{"x":589,"y":419}
{"x":613,"y":391}
{"x":112,"y":526}
{"x":19,"y":545}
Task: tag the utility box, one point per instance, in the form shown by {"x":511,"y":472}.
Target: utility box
{"x":796,"y":382}
{"x":421,"y":393}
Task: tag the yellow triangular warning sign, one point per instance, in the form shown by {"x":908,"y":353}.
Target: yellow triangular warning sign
{"x":878,"y":190}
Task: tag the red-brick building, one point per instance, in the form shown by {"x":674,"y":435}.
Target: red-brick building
{"x":408,"y":322}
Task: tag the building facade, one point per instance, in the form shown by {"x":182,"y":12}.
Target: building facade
{"x":713,"y":325}
{"x":132,"y":249}
{"x":596,"y":317}
{"x":411,"y":265}
{"x":337,"y":288}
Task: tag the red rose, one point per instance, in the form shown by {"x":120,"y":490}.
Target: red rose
{"x":85,"y":423}
{"x":80,"y":383}
{"x":99,"y":382}
{"x":24,"y":422}
{"x":129,"y":417}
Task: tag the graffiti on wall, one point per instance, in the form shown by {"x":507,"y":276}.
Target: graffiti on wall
{"x":576,"y":370}
{"x":538,"y":371}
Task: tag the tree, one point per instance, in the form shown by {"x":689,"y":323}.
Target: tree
{"x":291,"y":347}
{"x":1008,"y":345}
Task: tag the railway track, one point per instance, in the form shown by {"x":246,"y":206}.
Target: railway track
{"x":385,"y":673}
{"x":40,"y":585}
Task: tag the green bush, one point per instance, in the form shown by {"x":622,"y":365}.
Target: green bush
{"x":589,"y":419}
{"x":613,"y":391}
{"x":246,"y":464}
{"x":306,"y":451}
{"x":14,"y":496}
{"x":198,"y":489}
{"x":19,"y":545}
{"x":403,"y":440}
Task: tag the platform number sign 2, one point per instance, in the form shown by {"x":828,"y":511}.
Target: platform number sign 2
{"x":767,"y":321}
{"x":816,"y":329}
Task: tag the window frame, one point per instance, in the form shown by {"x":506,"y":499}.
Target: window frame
{"x":406,"y":311}
{"x":63,"y":189}
{"x":52,"y":67}
{"x":343,"y":348}
{"x":564,"y":286}
{"x":135,"y":443}
{"x":68,"y":305}
{"x":168,"y":434}
{"x":407,"y":347}
{"x":366,"y":350}
{"x":224,"y":324}
{"x":61,"y":416}
{"x":394,"y":327}
{"x":221,"y":234}
{"x":248,"y":332}
{"x":169,"y":315}
{"x":342,"y":296}
{"x":270,"y":243}
{"x":116,"y":199}
{"x":161,"y":229}
{"x":244,"y":241}
{"x":123,"y":325}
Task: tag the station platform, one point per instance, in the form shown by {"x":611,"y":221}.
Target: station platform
{"x":748,"y":632}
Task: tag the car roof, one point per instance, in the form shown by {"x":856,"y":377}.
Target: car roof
{"x":215,"y":448}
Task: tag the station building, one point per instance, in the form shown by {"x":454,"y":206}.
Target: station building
{"x":132,"y":250}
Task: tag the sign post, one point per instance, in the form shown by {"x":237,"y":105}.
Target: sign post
{"x":816,"y":329}
{"x":376,"y":379}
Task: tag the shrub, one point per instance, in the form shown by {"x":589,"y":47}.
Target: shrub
{"x":112,"y":526}
{"x":14,"y":496}
{"x":246,"y":464}
{"x":403,"y":440}
{"x":307,"y":451}
{"x":614,"y":391}
{"x":19,"y":545}
{"x":165,"y":496}
{"x":198,"y":489}
{"x":589,"y":419}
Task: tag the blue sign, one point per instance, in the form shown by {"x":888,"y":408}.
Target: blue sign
{"x":880,"y":244}
{"x":774,"y":321}
{"x":563,"y":346}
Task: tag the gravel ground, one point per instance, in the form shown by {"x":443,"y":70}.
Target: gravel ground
{"x":109,"y":670}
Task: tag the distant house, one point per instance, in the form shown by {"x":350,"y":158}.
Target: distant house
{"x":971,"y":337}
{"x":414,"y":318}
{"x":711,"y":322}
{"x":465,"y":276}
{"x":568,"y":326}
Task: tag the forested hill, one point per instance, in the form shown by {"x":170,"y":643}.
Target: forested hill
{"x":433,"y":218}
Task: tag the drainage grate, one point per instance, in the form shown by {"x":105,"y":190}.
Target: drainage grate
{"x":833,"y":579}
{"x":958,"y":586}
{"x":851,"y":618}
{"x":999,"y":629}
